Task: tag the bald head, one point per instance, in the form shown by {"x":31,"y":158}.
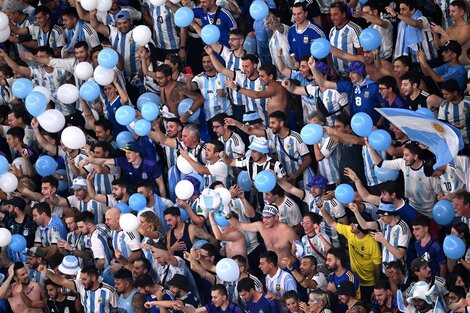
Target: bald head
{"x":112,"y":218}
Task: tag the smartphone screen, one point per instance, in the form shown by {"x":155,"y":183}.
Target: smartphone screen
{"x":188,"y":70}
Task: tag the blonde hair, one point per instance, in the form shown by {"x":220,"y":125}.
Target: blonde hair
{"x":154,"y":222}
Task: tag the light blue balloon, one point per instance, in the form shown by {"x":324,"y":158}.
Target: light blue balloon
{"x":210,"y":34}
{"x":184,"y":106}
{"x":108,"y":58}
{"x":320,"y":48}
{"x":244,"y":180}
{"x":443,"y":212}
{"x":22,"y":87}
{"x":386,"y":175}
{"x":124,"y":208}
{"x":199,"y":243}
{"x":17,"y":243}
{"x":63,"y":183}
{"x":124,"y":115}
{"x":137,"y":202}
{"x":107,"y":276}
{"x":344,"y":193}
{"x":311,"y":133}
{"x":150,"y":111}
{"x":183,"y":17}
{"x":370,"y":39}
{"x":123,"y":138}
{"x":183,"y":214}
{"x":250,"y":44}
{"x":259,"y":10}
{"x":265,"y":181}
{"x":36,"y":103}
{"x":45,"y":165}
{"x":3,"y":165}
{"x":454,"y":247}
{"x":380,"y":139}
{"x":361,"y":124}
{"x":220,"y":219}
{"x":142,"y":127}
{"x":90,"y":91}
{"x":148,"y":97}
{"x":426,"y":112}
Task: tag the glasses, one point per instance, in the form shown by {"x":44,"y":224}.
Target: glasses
{"x":204,"y":256}
{"x":216,"y":126}
{"x":305,"y":223}
{"x":267,"y":217}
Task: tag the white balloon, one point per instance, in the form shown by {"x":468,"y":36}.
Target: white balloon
{"x":4,"y":34}
{"x":68,"y":93}
{"x":224,"y":194}
{"x":104,"y":76}
{"x":184,"y":189}
{"x":44,"y":91}
{"x":3,"y":20}
{"x":20,"y":163}
{"x":89,"y":5}
{"x":227,"y":270}
{"x":52,"y":120}
{"x":142,"y":35}
{"x":5,"y":237}
{"x":175,"y":1}
{"x":73,"y":138}
{"x":83,"y":70}
{"x":157,"y":2}
{"x":129,"y":222}
{"x":95,"y":115}
{"x":8,"y":182}
{"x":104,"y":5}
{"x":183,"y":165}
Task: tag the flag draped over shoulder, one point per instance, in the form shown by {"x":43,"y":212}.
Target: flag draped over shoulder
{"x":442,"y":139}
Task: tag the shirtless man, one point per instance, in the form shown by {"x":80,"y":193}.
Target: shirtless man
{"x":23,"y":295}
{"x":172,"y":92}
{"x":375,"y":66}
{"x":459,"y":31}
{"x":275,"y":94}
{"x":278,"y":237}
{"x":233,"y":238}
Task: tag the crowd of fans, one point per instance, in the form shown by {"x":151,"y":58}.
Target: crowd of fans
{"x":295,"y":247}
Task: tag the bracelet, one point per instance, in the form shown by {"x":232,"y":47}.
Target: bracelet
{"x":238,"y":88}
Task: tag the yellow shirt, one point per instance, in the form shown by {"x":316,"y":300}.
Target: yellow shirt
{"x":363,"y":254}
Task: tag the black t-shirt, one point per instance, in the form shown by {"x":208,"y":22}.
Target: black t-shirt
{"x":68,"y":305}
{"x":419,"y":102}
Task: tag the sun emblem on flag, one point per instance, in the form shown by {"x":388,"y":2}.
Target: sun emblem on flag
{"x":438,"y":128}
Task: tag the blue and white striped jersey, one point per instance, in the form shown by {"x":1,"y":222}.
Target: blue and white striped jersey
{"x":127,"y":48}
{"x":82,"y":32}
{"x":308,"y":242}
{"x":333,"y":101}
{"x":450,"y":180}
{"x":209,"y":87}
{"x":329,"y":166}
{"x":102,"y":300}
{"x":107,"y":18}
{"x":164,"y":29}
{"x":347,"y":40}
{"x":100,"y":245}
{"x":54,"y":38}
{"x":236,"y":205}
{"x":398,"y":235}
{"x":50,"y":234}
{"x":457,"y":114}
{"x":126,"y":242}
{"x":369,"y":172}
{"x":251,"y":104}
{"x":234,"y":146}
{"x":97,"y":208}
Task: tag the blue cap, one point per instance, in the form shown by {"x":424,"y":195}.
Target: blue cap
{"x":322,"y":67}
{"x":357,"y":67}
{"x":123,"y":14}
{"x":318,"y":181}
{"x":259,"y":144}
{"x":196,"y":183}
{"x":252,"y":117}
{"x":132,"y":146}
{"x":387,"y":208}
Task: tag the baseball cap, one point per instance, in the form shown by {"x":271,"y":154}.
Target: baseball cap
{"x":251,"y":118}
{"x":123,"y":14}
{"x":346,"y":288}
{"x":318,"y":181}
{"x":17,"y":202}
{"x":179,"y":281}
{"x":454,"y":46}
{"x":75,"y":119}
{"x":259,"y":144}
{"x":418,"y":264}
{"x":69,"y":265}
{"x":78,"y":183}
{"x":35,"y":252}
{"x":270,"y":209}
{"x":322,"y":67}
{"x":387,"y":208}
{"x":132,"y":146}
{"x":357,"y":67}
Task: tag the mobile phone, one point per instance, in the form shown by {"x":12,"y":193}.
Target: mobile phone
{"x":188,"y":70}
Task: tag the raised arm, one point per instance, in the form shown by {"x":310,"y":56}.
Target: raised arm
{"x":250,"y":227}
{"x":288,"y":187}
{"x":56,"y":278}
{"x":23,"y":70}
{"x":245,"y":128}
{"x":158,"y":136}
{"x":219,"y":67}
{"x":321,"y":81}
{"x":91,"y":189}
{"x":45,"y":144}
{"x":365,"y":195}
{"x":281,"y":66}
{"x":360,"y":220}
{"x":99,"y":27}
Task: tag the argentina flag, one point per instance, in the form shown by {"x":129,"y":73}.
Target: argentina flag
{"x":442,"y":139}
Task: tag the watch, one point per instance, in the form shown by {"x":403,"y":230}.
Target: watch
{"x":238,"y":88}
{"x":190,"y":112}
{"x":228,"y":216}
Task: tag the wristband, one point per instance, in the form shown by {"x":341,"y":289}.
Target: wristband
{"x":238,"y":88}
